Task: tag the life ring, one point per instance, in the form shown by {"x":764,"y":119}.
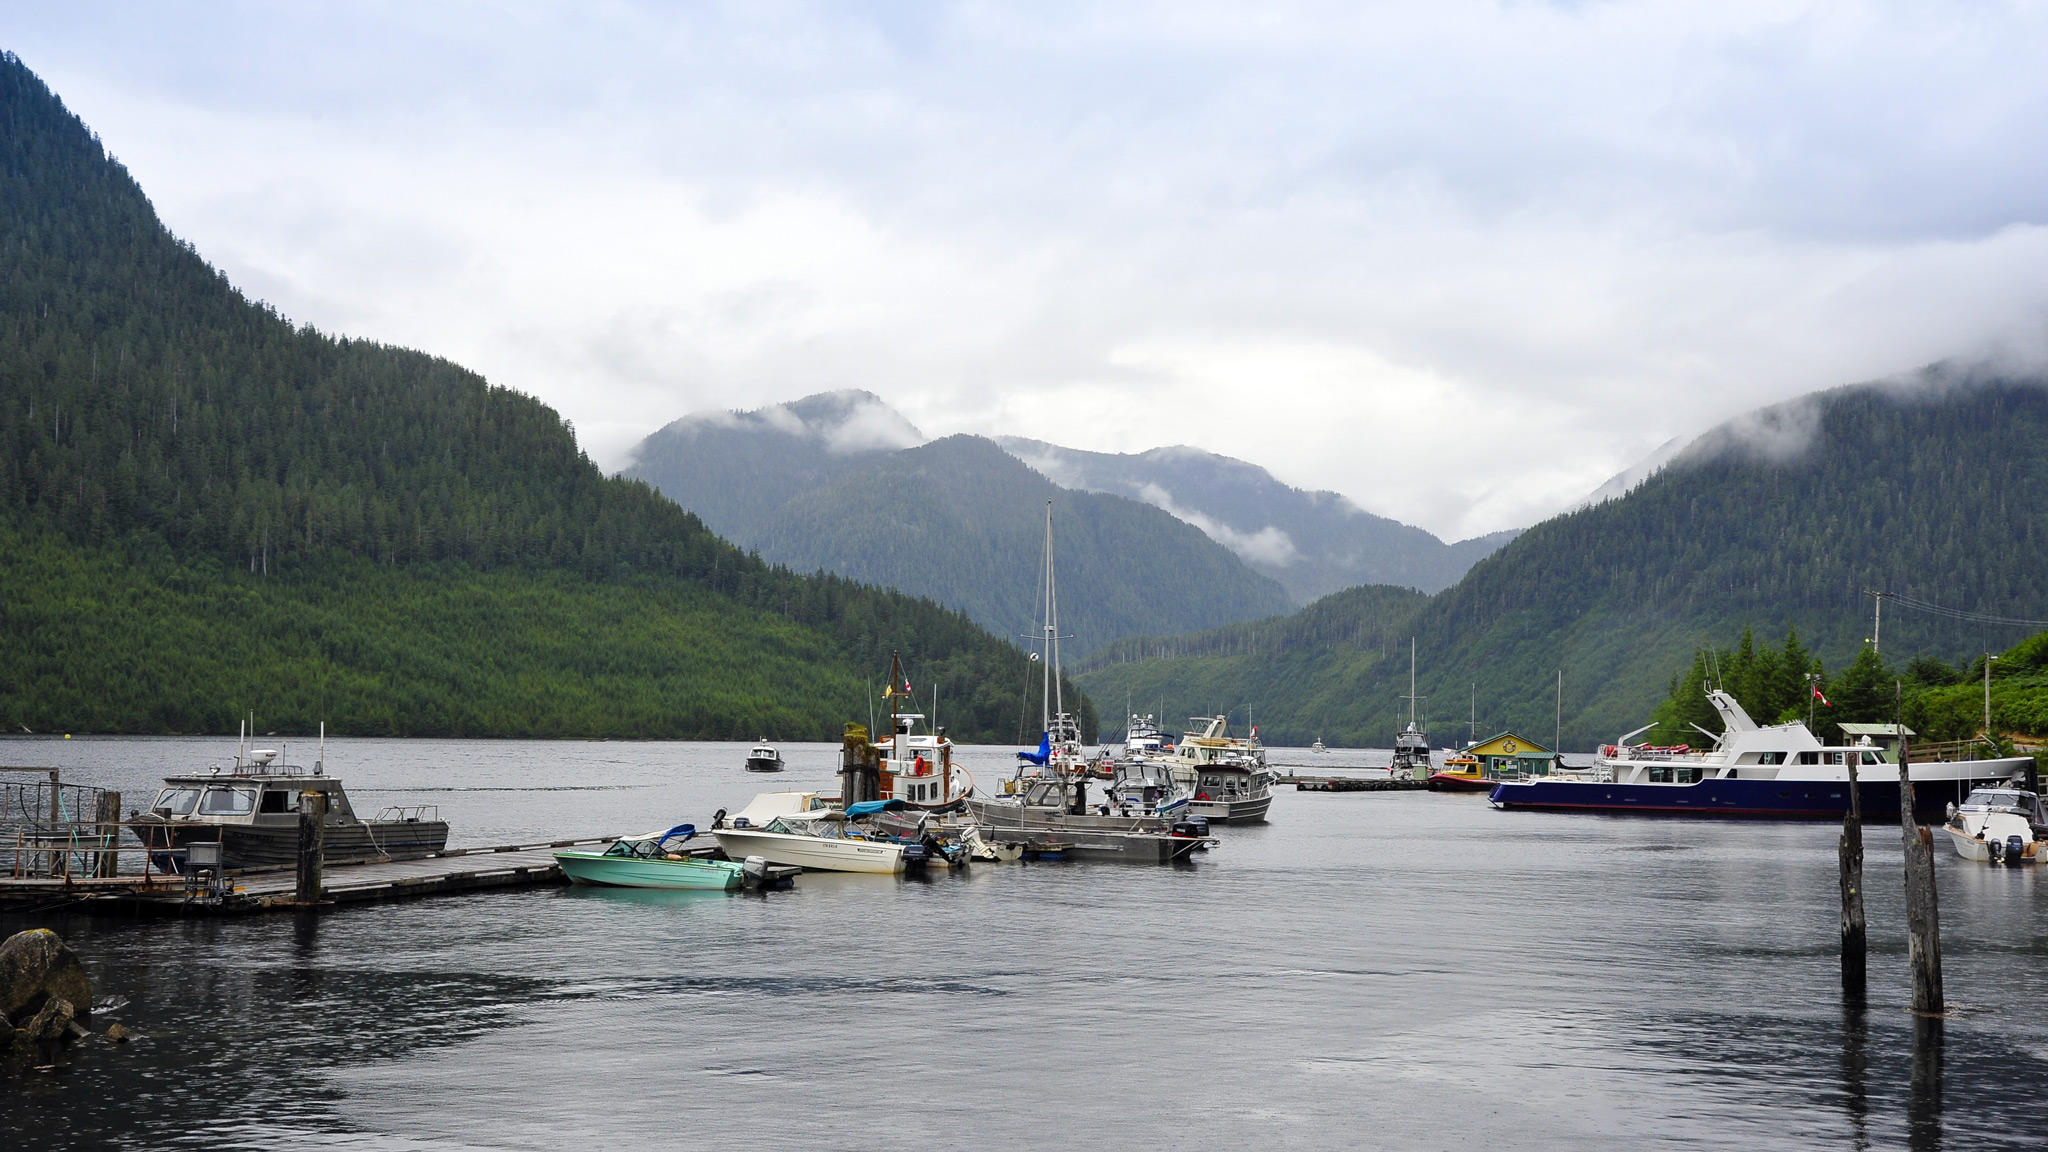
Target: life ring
{"x":1201,"y":795}
{"x":1508,"y":747}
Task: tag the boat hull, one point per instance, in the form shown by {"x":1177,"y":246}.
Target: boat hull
{"x":1453,"y":782}
{"x":1760,"y":799}
{"x":1250,"y":810}
{"x":271,"y":845}
{"x":600,"y":871}
{"x":815,"y":853}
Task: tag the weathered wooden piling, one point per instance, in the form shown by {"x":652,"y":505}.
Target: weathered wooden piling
{"x":860,"y":767}
{"x":107,"y":817}
{"x":312,"y":845}
{"x":1855,"y":970}
{"x":1923,"y":917}
{"x":1924,"y":1102}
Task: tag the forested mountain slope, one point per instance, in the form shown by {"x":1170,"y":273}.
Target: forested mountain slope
{"x":963,"y":522}
{"x":1313,"y":543}
{"x":1937,"y":489}
{"x":196,"y":493}
{"x":839,"y":482}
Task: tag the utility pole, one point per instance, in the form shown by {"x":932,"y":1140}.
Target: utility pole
{"x":1877,"y":625}
{"x":1557,"y":733}
{"x":1988,"y":658}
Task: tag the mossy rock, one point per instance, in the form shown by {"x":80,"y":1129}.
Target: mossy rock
{"x":34,"y":967}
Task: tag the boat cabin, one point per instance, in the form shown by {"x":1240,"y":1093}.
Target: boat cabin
{"x":269,"y":798}
{"x":2017,"y":801}
{"x":919,"y":769}
{"x":1884,"y":737}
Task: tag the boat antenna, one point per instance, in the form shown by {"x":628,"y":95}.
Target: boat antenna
{"x":1473,"y":737}
{"x":320,"y":765}
{"x":1411,"y":697}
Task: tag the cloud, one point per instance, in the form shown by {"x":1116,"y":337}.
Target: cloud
{"x":1269,"y":545}
{"x":1458,"y":261}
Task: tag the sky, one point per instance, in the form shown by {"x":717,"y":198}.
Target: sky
{"x":1461,"y":262}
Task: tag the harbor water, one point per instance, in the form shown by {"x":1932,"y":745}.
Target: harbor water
{"x":1368,"y":970}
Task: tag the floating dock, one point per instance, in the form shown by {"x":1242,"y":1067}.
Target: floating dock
{"x":455,"y":870}
{"x":1352,"y":783}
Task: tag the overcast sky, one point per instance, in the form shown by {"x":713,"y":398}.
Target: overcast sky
{"x":1460,"y":262}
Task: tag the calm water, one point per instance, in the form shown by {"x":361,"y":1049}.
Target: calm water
{"x":1399,"y":970}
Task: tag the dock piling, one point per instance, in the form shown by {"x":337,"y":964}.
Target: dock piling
{"x":107,"y":818}
{"x":1923,"y":917}
{"x":1855,"y":970}
{"x":312,"y":844}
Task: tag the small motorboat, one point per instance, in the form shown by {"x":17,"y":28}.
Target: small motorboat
{"x":1317,"y":747}
{"x":764,"y":758}
{"x":800,"y":829}
{"x":656,"y":860}
{"x":1998,"y":826}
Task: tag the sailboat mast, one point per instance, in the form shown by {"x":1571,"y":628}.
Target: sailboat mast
{"x":1411,"y":681}
{"x":1052,"y":615}
{"x":1045,"y":641}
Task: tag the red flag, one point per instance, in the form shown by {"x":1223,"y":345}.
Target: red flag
{"x":1824,"y":700}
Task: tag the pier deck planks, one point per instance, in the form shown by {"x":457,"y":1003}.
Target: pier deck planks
{"x":457,"y":870}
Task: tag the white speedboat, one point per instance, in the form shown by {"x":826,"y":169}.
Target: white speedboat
{"x":798,"y":828}
{"x":1145,"y":788}
{"x":1998,"y":825}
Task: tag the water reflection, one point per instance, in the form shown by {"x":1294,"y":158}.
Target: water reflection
{"x":1923,"y":1119}
{"x":1856,"y":1072}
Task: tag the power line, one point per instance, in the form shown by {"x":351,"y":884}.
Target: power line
{"x":1957,"y":613}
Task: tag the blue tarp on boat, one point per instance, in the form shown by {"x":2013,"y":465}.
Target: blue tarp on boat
{"x":1044,"y":752}
{"x":870,"y":807}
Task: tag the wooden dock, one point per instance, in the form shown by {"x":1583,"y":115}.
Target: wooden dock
{"x":1352,"y":784}
{"x":273,"y":889}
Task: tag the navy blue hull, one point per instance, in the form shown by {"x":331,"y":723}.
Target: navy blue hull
{"x":1755,"y":799}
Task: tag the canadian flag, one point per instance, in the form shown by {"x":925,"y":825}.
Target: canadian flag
{"x":1825,"y":703}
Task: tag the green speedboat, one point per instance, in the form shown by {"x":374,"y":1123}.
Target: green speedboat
{"x":655,"y":860}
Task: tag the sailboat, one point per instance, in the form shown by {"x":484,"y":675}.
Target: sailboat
{"x":1411,"y":746}
{"x":1046,"y":802}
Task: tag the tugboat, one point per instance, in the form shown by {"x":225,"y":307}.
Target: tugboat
{"x":764,"y":758}
{"x":1998,"y":826}
{"x":251,"y":808}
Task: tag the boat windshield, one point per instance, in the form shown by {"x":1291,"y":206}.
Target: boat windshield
{"x":228,"y":802}
{"x":1983,"y":799}
{"x":178,"y":800}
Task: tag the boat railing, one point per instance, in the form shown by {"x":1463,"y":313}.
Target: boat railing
{"x":409,"y":813}
{"x":77,"y":851}
{"x":1950,"y":750}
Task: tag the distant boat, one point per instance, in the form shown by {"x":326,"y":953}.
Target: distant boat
{"x":1411,"y":745}
{"x":1317,"y":747}
{"x":764,"y":758}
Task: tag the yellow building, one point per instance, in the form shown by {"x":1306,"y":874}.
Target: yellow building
{"x":1505,"y":757}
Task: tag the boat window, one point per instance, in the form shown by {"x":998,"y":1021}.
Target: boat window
{"x":1770,"y":758}
{"x":1872,"y":758}
{"x":1809,"y":757}
{"x":178,"y":800}
{"x":1831,"y":757}
{"x":228,"y":802}
{"x":276,"y":800}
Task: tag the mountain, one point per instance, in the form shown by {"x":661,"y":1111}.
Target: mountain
{"x":205,"y":509}
{"x":1313,"y":543}
{"x":1936,"y":489}
{"x":958,"y":520}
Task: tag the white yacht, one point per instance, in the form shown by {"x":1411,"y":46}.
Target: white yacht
{"x":1775,"y":771}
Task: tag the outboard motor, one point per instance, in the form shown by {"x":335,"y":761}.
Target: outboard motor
{"x":1200,"y":824}
{"x":742,"y":822}
{"x":755,"y":870}
{"x":1188,"y":829}
{"x":1997,"y":851}
{"x":915,"y":856}
{"x":718,"y":818}
{"x":2015,"y":850}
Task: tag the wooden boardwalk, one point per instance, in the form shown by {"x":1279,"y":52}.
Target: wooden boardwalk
{"x":456,"y":870}
{"x":1351,"y":784}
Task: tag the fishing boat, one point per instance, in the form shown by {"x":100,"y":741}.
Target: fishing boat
{"x":1998,"y":826}
{"x":1225,"y":776}
{"x":764,"y":758}
{"x":1146,"y":788}
{"x":1460,"y":772}
{"x":655,"y":860}
{"x":1778,"y":771}
{"x":1411,"y":745}
{"x":1142,"y":737}
{"x":250,"y":806}
{"x":918,"y":768}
